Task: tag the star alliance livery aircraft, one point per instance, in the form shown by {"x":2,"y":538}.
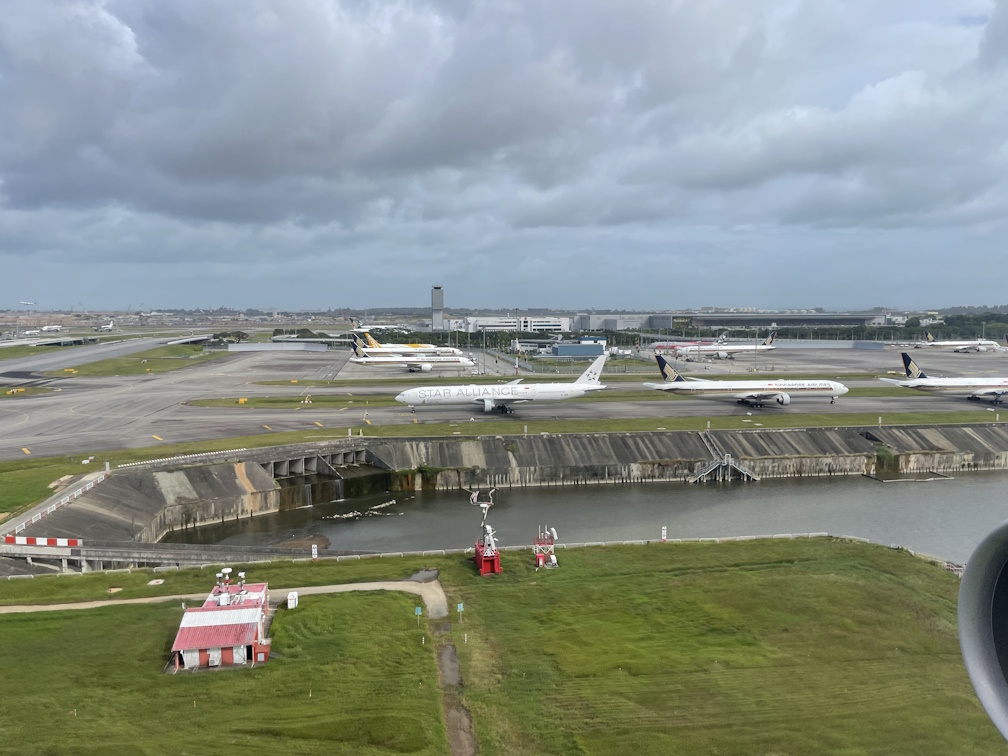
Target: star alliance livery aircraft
{"x":501,"y":397}
{"x":753,"y":393}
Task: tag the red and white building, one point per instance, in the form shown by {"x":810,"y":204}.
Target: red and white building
{"x":229,"y":629}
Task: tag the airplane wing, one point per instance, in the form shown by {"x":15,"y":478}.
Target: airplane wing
{"x":663,"y":386}
{"x":515,"y":382}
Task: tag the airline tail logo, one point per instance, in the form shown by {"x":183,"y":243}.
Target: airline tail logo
{"x":929,"y":337}
{"x":770,"y":339}
{"x":358,"y":348}
{"x":591,"y":375}
{"x":912,"y":371}
{"x":371,"y":342}
{"x":668,"y":372}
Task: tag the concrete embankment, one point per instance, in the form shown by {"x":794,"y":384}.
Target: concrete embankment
{"x":142,"y":505}
{"x":621,"y":457}
{"x":676,"y":456}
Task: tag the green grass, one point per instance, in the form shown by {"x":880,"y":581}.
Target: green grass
{"x":787,"y":647}
{"x":159,"y":360}
{"x":800,"y":648}
{"x":94,"y":679}
{"x":27,"y":391}
{"x":328,"y":401}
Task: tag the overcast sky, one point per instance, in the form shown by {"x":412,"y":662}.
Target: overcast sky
{"x":637,"y":154}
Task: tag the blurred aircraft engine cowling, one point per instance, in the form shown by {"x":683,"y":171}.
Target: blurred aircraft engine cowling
{"x":983,"y":624}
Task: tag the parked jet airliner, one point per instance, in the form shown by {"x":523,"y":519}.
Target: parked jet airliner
{"x":724,"y":350}
{"x":972,"y":388}
{"x":373,"y":349}
{"x":501,"y":397}
{"x":752,"y":393}
{"x":975,"y":345}
{"x":416,"y":363}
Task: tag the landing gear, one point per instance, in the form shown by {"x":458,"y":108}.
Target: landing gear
{"x":833,"y":400}
{"x":505,"y":410}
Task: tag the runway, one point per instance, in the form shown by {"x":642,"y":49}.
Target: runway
{"x":85,"y":416}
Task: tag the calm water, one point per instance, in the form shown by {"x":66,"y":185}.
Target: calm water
{"x":945,"y":518}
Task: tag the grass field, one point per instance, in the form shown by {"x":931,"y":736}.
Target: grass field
{"x":158,"y":360}
{"x":328,"y":401}
{"x":91,"y":681}
{"x":783,"y":647}
{"x":26,"y":391}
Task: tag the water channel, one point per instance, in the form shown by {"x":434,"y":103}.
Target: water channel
{"x":945,"y":518}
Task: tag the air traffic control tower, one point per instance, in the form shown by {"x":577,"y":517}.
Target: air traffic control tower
{"x":437,"y":308}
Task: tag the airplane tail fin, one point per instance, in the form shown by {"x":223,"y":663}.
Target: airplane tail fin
{"x":371,"y":342}
{"x":929,"y":337}
{"x":668,"y":372}
{"x":770,"y":339}
{"x":912,"y":370}
{"x":591,"y":375}
{"x":358,"y":347}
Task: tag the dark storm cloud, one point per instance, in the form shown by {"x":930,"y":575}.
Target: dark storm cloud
{"x":413,"y":140}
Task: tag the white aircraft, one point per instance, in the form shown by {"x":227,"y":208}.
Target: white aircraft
{"x":752,"y":393}
{"x":502,"y":396}
{"x":416,"y":363}
{"x":972,"y":388}
{"x":372,"y":348}
{"x":675,"y":346}
{"x":724,"y":350}
{"x":110,"y":326}
{"x":34,"y":332}
{"x":52,"y":329}
{"x":976,"y":345}
{"x":30,"y":304}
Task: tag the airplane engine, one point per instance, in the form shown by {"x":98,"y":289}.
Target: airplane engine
{"x":784,"y":399}
{"x":722,"y":355}
{"x":981,"y":349}
{"x":488,"y":405}
{"x":425,"y":368}
{"x":983,"y":624}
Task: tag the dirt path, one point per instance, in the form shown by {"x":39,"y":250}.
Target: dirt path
{"x":431,"y":592}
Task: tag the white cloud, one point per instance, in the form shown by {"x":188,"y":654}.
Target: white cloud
{"x":438,"y":139}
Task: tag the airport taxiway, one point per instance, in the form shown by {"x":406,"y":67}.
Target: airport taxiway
{"x":87,"y":415}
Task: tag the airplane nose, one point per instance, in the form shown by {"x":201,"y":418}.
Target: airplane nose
{"x":401,"y":397}
{"x":843,"y":389}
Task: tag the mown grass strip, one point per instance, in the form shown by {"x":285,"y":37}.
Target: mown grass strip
{"x":158,"y":360}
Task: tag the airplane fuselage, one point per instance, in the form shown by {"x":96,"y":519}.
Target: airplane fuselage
{"x":493,"y":396}
{"x":732,"y":389}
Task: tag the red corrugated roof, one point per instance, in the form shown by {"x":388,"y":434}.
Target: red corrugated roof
{"x":215,"y":636}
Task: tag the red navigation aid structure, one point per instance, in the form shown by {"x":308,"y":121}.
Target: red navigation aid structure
{"x":542,"y":547}
{"x":487,"y":556}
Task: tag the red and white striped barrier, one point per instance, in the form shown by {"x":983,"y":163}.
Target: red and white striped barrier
{"x":53,"y":507}
{"x":40,"y":541}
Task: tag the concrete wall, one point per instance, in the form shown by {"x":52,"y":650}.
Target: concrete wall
{"x":141,"y":505}
{"x":618,"y":458}
{"x":945,"y":448}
